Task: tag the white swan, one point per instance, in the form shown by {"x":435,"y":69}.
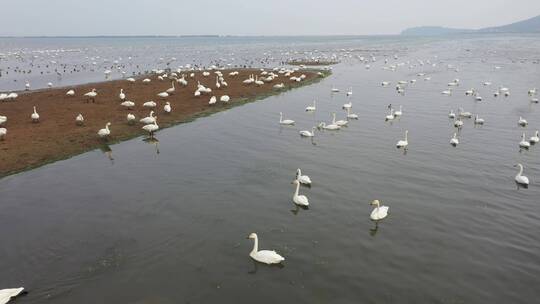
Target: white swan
{"x":521,"y":179}
{"x":163,"y":95}
{"x":79,"y":120}
{"x":35,"y":116}
{"x":405,"y":142}
{"x":306,"y":133}
{"x":349,"y":93}
{"x":454,"y":141}
{"x":458,"y":123}
{"x":464,"y":114}
{"x":213,"y":100}
{"x":122,"y":96}
{"x":534,"y":139}
{"x":146,"y":80}
{"x":340,"y":123}
{"x":102,"y":133}
{"x":478,"y":120}
{"x":331,"y":127}
{"x":150,"y":104}
{"x":312,"y":107}
{"x":300,"y":200}
{"x":390,"y":116}
{"x":70,"y":93}
{"x":91,"y":95}
{"x":3,"y":120}
{"x":522,"y":122}
{"x":347,"y":105}
{"x":151,"y":128}
{"x":351,"y":115}
{"x":171,"y":90}
{"x":7,"y":294}
{"x":451,"y":115}
{"x":225,"y":98}
{"x":303,"y":179}
{"x":128,"y":104}
{"x":130,"y":118}
{"x":167,"y":107}
{"x":3,"y":132}
{"x":264,"y":256}
{"x":380,"y":212}
{"x":148,"y":119}
{"x":398,"y":112}
{"x":334,"y":90}
{"x":285,"y":121}
{"x":523,"y":143}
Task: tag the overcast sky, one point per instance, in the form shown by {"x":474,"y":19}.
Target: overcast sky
{"x":251,"y":17}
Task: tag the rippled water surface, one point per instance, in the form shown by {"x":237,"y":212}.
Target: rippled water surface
{"x":167,"y":222}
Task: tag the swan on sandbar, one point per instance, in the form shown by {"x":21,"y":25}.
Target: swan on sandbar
{"x":91,"y":95}
{"x":521,"y":179}
{"x":70,"y":93}
{"x":103,"y":133}
{"x":225,"y":98}
{"x":35,"y":115}
{"x":79,"y":120}
{"x":300,"y":200}
{"x":128,"y":104}
{"x":380,"y":212}
{"x":167,"y":107}
{"x":150,"y":104}
{"x":148,"y":119}
{"x":303,"y":179}
{"x":263,"y":256}
{"x":285,"y":121}
{"x":3,"y":120}
{"x":122,"y":96}
{"x":151,"y":128}
{"x":130,"y":118}
{"x":3,"y":132}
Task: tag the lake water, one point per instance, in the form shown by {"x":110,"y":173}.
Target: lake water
{"x":137,"y":226}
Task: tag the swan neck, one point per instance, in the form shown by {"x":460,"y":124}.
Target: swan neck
{"x":255,"y":245}
{"x":297,"y":188}
{"x":520,"y":170}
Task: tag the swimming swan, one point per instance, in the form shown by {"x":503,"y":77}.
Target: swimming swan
{"x":300,"y":200}
{"x":286,"y":121}
{"x":303,"y":179}
{"x":521,"y":179}
{"x":380,"y":212}
{"x":263,"y":256}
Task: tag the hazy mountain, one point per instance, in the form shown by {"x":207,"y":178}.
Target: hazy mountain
{"x":531,"y":25}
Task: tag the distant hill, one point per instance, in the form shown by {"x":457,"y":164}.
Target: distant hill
{"x":531,"y":25}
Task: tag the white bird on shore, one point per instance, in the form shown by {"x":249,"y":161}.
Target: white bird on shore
{"x":300,"y":200}
{"x":35,"y":115}
{"x":122,"y":96}
{"x":534,"y":139}
{"x":264,"y":256}
{"x":79,"y":120}
{"x":163,"y":95}
{"x":171,"y":90}
{"x":380,"y":212}
{"x":521,"y":179}
{"x":150,"y":104}
{"x":128,"y":104}
{"x":312,"y":107}
{"x":3,"y":132}
{"x":148,"y":119}
{"x":167,"y":108}
{"x":130,"y":118}
{"x":306,"y":133}
{"x":523,"y":143}
{"x":218,"y":85}
{"x":91,"y":95}
{"x":522,"y":122}
{"x":3,"y":120}
{"x":7,"y":294}
{"x":151,"y":128}
{"x":70,"y":93}
{"x":454,"y":141}
{"x":103,"y":133}
{"x":27,"y":86}
{"x":146,"y":80}
{"x":131,"y":80}
{"x":303,"y":179}
{"x":405,"y":142}
{"x":285,"y":121}
{"x":213,"y":100}
{"x":225,"y":98}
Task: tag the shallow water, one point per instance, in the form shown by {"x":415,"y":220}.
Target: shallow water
{"x":137,"y":226}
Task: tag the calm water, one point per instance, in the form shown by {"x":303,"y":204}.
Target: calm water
{"x":171,"y":227}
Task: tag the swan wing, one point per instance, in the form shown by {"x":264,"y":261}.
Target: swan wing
{"x":7,"y":294}
{"x":268,"y":257}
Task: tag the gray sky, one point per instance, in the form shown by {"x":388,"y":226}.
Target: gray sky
{"x":252,"y":17}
